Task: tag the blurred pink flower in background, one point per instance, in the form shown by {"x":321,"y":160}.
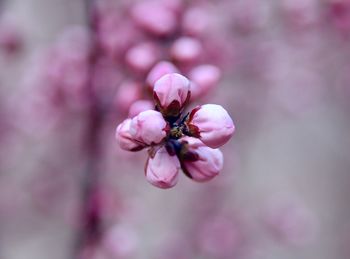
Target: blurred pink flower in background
{"x":290,"y":221}
{"x":186,"y":50}
{"x":160,"y":69}
{"x":219,"y":237}
{"x":155,"y":17}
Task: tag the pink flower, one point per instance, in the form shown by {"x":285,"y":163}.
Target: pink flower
{"x":154,"y":17}
{"x":177,"y":140}
{"x":186,"y":49}
{"x":140,"y":106}
{"x":171,"y":93}
{"x":142,"y":57}
{"x":162,"y":169}
{"x":159,"y":70}
{"x":149,"y":127}
{"x":212,"y":124}
{"x":207,"y":164}
{"x":203,"y":78}
{"x":124,"y":138}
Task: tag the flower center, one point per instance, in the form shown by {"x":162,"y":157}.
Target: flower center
{"x":176,"y":132}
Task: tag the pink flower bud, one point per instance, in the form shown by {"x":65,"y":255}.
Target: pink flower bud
{"x":140,"y":106}
{"x":186,"y":49}
{"x":142,"y":57}
{"x":204,"y":78}
{"x":128,"y":93}
{"x":125,"y":139}
{"x":162,"y":169}
{"x":208,"y":163}
{"x":159,"y":70}
{"x":171,"y":93}
{"x":212,"y":124}
{"x":149,"y":127}
{"x":154,"y":17}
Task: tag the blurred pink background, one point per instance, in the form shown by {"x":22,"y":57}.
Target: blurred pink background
{"x":284,"y":189}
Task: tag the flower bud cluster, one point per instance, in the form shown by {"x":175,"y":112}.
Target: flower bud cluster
{"x":132,"y":46}
{"x":158,"y":37}
{"x":176,"y":140}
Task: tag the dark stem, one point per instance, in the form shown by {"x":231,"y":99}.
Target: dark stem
{"x":90,"y":219}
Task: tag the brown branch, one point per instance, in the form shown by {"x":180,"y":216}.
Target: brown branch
{"x":90,"y":228}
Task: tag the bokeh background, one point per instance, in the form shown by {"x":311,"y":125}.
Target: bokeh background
{"x":284,"y":191}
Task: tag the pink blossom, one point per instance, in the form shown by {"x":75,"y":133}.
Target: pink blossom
{"x":124,"y":138}
{"x":171,"y":93}
{"x":140,"y":106}
{"x":160,"y":69}
{"x":175,"y":139}
{"x":142,"y":57}
{"x":208,"y":163}
{"x":149,"y":127}
{"x":154,"y":17}
{"x":186,"y":49}
{"x":212,"y":124}
{"x":162,"y":169}
{"x":203,"y":78}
